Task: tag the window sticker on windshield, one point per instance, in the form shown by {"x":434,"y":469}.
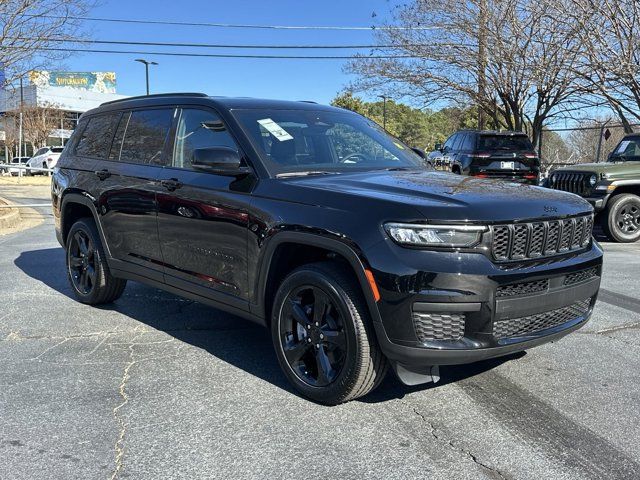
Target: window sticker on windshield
{"x":623,"y":146}
{"x":274,"y":129}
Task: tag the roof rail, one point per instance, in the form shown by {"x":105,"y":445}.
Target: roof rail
{"x":308,"y":101}
{"x":157,"y":95}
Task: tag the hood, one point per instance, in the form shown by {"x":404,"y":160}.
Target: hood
{"x":441,"y":196}
{"x":613,"y":170}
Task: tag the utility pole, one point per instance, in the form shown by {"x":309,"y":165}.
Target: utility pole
{"x":482,"y":61}
{"x":20,"y":125}
{"x":384,"y":111}
{"x":146,"y":69}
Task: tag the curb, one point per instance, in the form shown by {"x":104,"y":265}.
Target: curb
{"x":9,"y":218}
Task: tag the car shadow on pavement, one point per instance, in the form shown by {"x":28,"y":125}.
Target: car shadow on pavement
{"x":233,"y":340}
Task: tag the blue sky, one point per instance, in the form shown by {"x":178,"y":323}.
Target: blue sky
{"x":317,"y":80}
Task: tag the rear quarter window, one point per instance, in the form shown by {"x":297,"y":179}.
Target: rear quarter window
{"x":95,"y":139}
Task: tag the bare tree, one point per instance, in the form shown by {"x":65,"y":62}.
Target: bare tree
{"x":27,"y":28}
{"x":37,"y":125}
{"x":518,"y":65}
{"x":610,"y":52}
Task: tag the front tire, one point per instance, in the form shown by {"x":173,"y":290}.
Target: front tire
{"x":323,"y":335}
{"x":87,"y":269}
{"x":622,"y":220}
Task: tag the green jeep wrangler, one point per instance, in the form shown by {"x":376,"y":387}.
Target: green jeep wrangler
{"x":612,"y":187}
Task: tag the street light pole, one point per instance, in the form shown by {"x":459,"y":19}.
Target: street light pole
{"x":146,"y":69}
{"x":384,"y":111}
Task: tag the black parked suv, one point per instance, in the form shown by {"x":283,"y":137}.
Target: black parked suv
{"x":312,"y":221}
{"x":490,"y":154}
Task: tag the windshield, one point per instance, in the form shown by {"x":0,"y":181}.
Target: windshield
{"x":627,"y":150}
{"x":504,"y":142}
{"x":305,"y":141}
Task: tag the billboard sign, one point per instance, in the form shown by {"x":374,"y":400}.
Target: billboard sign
{"x":102,"y":82}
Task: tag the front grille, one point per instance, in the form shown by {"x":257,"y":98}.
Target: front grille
{"x":517,"y":327}
{"x":574,"y":182}
{"x":438,"y":326}
{"x":529,"y":241}
{"x":581,"y":276}
{"x":524,"y":288}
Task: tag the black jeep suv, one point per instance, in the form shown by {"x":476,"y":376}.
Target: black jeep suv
{"x":312,"y":221}
{"x":490,"y":154}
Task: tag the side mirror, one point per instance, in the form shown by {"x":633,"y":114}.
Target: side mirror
{"x":438,"y":146}
{"x":419,"y":152}
{"x":222,"y":160}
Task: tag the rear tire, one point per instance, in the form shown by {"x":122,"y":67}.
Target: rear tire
{"x":323,"y":336}
{"x":87,"y":268}
{"x":621,"y":220}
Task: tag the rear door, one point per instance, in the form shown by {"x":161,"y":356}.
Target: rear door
{"x":203,"y":217}
{"x":127,"y":183}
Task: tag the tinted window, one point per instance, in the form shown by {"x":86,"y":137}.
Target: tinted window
{"x":450,"y":141}
{"x":57,"y":149}
{"x":469,"y":142}
{"x":504,"y":142}
{"x":145,"y":136}
{"x":198,"y":129}
{"x":96,"y":137}
{"x":116,"y":145}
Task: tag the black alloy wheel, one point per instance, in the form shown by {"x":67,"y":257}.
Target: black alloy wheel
{"x":312,"y":336}
{"x":87,"y":268}
{"x":323,"y":334}
{"x":82,"y":262}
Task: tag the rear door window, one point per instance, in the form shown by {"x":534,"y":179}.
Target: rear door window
{"x":145,"y":136}
{"x":97,"y":135}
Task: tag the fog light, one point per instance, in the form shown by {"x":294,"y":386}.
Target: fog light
{"x":438,"y":326}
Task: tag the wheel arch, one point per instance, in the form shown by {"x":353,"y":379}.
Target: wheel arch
{"x":315,"y":247}
{"x":76,"y":205}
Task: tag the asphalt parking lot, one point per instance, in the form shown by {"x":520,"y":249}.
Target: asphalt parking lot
{"x":155,"y":386}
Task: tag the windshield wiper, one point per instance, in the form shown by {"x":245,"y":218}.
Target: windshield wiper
{"x":304,"y":173}
{"x":399,"y":169}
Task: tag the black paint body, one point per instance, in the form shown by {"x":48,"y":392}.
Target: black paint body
{"x":215,"y":238}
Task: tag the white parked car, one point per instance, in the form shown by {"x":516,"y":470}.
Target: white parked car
{"x":46,"y":157}
{"x":16,"y":161}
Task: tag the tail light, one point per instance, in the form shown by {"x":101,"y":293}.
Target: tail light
{"x":480,"y":175}
{"x":530,"y":155}
{"x":49,"y":160}
{"x":531,"y":176}
{"x":481,"y":155}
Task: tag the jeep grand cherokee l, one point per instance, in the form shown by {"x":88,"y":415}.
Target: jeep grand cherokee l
{"x":312,"y":221}
{"x":612,"y":188}
{"x":490,"y":154}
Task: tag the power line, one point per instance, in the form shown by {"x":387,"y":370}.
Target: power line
{"x":233,"y":25}
{"x":208,"y":45}
{"x":216,"y":55}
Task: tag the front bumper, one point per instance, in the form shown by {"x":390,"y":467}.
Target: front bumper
{"x":454,"y":287}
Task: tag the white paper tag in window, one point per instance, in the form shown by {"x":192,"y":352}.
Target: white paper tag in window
{"x":274,"y":129}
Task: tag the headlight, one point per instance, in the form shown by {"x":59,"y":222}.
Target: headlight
{"x":592,"y":180}
{"x":453,"y":236}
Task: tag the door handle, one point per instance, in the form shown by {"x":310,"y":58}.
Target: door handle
{"x":103,"y":174}
{"x":171,"y":184}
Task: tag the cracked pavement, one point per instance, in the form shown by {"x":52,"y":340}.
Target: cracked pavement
{"x":155,"y":386}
